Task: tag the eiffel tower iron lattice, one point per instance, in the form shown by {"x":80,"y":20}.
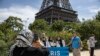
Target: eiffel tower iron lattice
{"x":59,"y":3}
{"x":52,"y":10}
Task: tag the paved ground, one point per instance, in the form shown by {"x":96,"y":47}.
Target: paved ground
{"x":86,"y":53}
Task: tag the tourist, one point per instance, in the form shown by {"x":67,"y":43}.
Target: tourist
{"x":76,"y":44}
{"x":92,"y":42}
{"x":47,"y":43}
{"x":64,"y":43}
{"x":28,"y":44}
{"x":41,"y":50}
{"x":88,"y":44}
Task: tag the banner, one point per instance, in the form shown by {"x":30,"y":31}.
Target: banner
{"x":59,"y":51}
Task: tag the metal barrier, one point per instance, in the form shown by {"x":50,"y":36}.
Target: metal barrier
{"x":59,"y":51}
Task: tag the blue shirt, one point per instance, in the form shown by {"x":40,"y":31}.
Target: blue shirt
{"x":75,"y":42}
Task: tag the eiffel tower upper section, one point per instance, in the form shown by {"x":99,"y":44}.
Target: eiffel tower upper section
{"x":59,"y":3}
{"x":52,"y":10}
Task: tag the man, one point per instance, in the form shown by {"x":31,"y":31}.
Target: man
{"x":76,"y":44}
{"x":92,"y":42}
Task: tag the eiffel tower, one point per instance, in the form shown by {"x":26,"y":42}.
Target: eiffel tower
{"x":52,"y":10}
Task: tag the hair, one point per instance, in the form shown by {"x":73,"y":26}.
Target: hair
{"x":35,"y":37}
{"x":92,"y":35}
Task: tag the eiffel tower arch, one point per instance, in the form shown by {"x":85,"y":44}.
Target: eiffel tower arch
{"x":52,"y":10}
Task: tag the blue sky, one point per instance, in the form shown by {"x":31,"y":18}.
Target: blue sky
{"x":28,"y":8}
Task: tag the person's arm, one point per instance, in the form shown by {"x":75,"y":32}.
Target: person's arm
{"x":70,"y":43}
{"x":81,"y":45}
{"x":95,"y":41}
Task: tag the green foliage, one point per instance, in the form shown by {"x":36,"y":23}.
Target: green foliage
{"x":89,"y":27}
{"x":84,"y":43}
{"x":8,"y":30}
{"x":58,"y":25}
{"x":14,"y":23}
{"x":39,"y":24}
{"x":72,"y":26}
{"x":97,"y":17}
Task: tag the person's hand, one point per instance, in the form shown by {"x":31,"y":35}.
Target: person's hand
{"x":96,"y":41}
{"x":68,"y":44}
{"x":81,"y":48}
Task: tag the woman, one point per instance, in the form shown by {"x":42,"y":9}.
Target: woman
{"x":24,"y":45}
{"x":41,"y":50}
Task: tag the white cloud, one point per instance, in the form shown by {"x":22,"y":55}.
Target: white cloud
{"x":22,"y":12}
{"x":94,"y":9}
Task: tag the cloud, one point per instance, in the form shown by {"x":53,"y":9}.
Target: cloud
{"x":94,"y":9}
{"x":22,"y":12}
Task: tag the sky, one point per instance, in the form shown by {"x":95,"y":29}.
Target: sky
{"x":26,"y":9}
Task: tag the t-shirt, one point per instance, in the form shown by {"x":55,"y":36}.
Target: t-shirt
{"x":75,"y":42}
{"x":92,"y":41}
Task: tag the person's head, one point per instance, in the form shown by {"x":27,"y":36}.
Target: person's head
{"x":36,"y":38}
{"x":92,"y":35}
{"x":43,"y":34}
{"x":58,"y":38}
{"x":28,"y":34}
{"x":75,"y":34}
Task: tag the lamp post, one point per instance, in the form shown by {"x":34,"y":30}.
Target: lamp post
{"x":25,"y":23}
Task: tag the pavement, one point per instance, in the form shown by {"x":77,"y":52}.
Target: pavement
{"x":86,"y":53}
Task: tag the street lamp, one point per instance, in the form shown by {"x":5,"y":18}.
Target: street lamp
{"x":25,"y":23}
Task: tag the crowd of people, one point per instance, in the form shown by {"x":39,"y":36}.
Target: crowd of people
{"x":28,"y":44}
{"x":50,"y":42}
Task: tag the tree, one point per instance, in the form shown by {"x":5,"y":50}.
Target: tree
{"x":97,"y":17}
{"x":8,"y":30}
{"x":39,"y":24}
{"x":58,"y":25}
{"x":15,"y":23}
{"x":72,"y":26}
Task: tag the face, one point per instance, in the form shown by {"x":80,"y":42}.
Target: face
{"x":94,"y":36}
{"x":74,"y":34}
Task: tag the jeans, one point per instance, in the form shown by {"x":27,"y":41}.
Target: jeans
{"x":91,"y":51}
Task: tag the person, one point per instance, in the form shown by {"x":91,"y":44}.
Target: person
{"x":23,"y":40}
{"x":88,"y":44}
{"x":64,"y":43}
{"x":37,"y":43}
{"x":92,"y":42}
{"x":44,"y":40}
{"x":51,"y":42}
{"x":76,"y":44}
{"x":47,"y":43}
{"x":57,"y":44}
{"x":24,"y":45}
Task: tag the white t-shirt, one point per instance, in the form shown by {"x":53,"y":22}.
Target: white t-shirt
{"x":48,"y":44}
{"x":57,"y":44}
{"x":92,"y":42}
{"x":63,"y":42}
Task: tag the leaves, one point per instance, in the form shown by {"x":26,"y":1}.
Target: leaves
{"x":39,"y":24}
{"x":8,"y":32}
{"x":58,"y":25}
{"x":97,"y":17}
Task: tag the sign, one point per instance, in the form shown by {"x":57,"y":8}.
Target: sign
{"x":59,"y":51}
